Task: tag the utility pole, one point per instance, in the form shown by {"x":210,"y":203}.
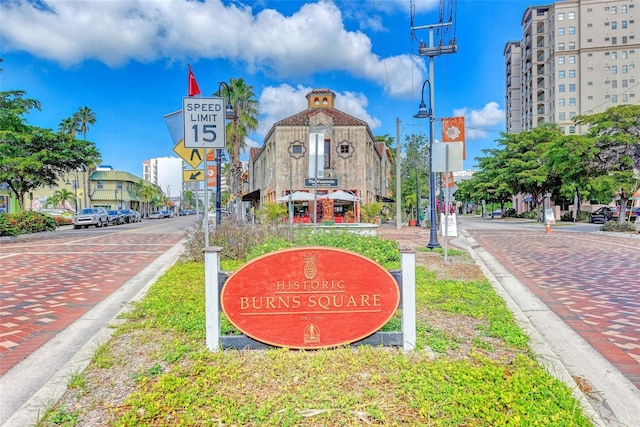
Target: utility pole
{"x":432,"y":50}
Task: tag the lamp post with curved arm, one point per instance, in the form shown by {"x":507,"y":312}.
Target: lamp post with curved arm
{"x":75,"y":186}
{"x":424,"y":113}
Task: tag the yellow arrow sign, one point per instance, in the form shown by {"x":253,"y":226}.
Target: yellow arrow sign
{"x":193,"y":156}
{"x":192,"y":175}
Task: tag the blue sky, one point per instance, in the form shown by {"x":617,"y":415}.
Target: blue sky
{"x":127,"y":60}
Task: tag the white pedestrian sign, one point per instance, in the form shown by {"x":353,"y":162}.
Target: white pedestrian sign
{"x":204,"y":125}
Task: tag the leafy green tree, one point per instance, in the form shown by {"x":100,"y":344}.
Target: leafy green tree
{"x":84,"y":117}
{"x":492,"y":183}
{"x":414,"y":170}
{"x":523,"y":163}
{"x":30,"y":156}
{"x":568,"y":158}
{"x":246,"y":111}
{"x":189,"y":198}
{"x":616,"y":133}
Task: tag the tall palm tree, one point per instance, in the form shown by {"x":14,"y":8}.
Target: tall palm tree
{"x":69,"y":126}
{"x":84,"y":117}
{"x":245,"y":107}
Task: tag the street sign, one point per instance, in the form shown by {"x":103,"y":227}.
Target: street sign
{"x":322,"y":182}
{"x":192,"y":175}
{"x":193,"y":156}
{"x":204,"y":125}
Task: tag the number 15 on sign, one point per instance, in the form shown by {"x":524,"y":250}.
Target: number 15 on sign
{"x":203,"y":122}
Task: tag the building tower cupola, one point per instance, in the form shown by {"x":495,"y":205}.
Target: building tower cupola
{"x":321,"y":98}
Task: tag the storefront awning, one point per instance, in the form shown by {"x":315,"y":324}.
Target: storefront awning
{"x":251,"y":197}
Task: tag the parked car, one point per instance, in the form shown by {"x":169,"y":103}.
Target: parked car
{"x":126,"y":214}
{"x":114,"y":217}
{"x":601,"y":215}
{"x":91,"y":216}
{"x":156,"y":215}
{"x":166,"y":214}
{"x":607,"y":213}
{"x":137,"y":216}
{"x":630,"y":215}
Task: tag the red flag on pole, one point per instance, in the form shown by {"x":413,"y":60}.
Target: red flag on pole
{"x":193,"y":84}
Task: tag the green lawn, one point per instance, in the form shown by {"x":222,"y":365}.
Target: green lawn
{"x":156,"y":371}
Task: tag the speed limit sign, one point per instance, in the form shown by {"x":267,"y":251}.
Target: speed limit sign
{"x":203,"y":122}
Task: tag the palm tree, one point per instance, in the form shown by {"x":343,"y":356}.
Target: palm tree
{"x":60,"y":197}
{"x":245,"y":107}
{"x":146,"y":192}
{"x":84,"y":117}
{"x":69,"y":126}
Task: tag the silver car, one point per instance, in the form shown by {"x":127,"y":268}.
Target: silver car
{"x":91,"y":216}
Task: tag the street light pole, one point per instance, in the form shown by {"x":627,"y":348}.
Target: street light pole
{"x":417,"y":201}
{"x":432,"y":50}
{"x":229,"y":114}
{"x":75,"y":188}
{"x":422,"y":114}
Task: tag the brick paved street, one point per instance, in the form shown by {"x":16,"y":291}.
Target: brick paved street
{"x":591,"y":281}
{"x":48,"y":282}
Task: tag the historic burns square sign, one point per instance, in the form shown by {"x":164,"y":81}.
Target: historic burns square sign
{"x":310,"y":298}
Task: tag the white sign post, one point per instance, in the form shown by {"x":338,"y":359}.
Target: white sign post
{"x":204,"y":125}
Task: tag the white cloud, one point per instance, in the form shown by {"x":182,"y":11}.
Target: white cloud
{"x":476,"y":121}
{"x":277,"y":103}
{"x":313,"y":39}
{"x":391,"y":6}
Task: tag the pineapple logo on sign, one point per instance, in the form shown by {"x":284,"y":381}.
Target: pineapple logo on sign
{"x":310,"y":267}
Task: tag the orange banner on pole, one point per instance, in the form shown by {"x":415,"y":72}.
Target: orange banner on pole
{"x":211,"y":176}
{"x":453,"y":131}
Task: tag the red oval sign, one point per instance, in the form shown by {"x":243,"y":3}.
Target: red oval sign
{"x":310,"y":297}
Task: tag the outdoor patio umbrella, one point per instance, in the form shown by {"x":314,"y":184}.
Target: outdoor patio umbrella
{"x":341,"y":195}
{"x":297,"y":196}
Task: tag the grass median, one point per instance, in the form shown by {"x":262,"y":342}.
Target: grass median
{"x":472,"y":367}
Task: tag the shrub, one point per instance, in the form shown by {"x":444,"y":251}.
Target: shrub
{"x":235,"y":238}
{"x":382,"y":251}
{"x":509,"y":213}
{"x":370,"y":211}
{"x":25,"y":222}
{"x":567,"y":216}
{"x":7,"y":227}
{"x":241,"y":242}
{"x":624,"y":226}
{"x":583,"y":216}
